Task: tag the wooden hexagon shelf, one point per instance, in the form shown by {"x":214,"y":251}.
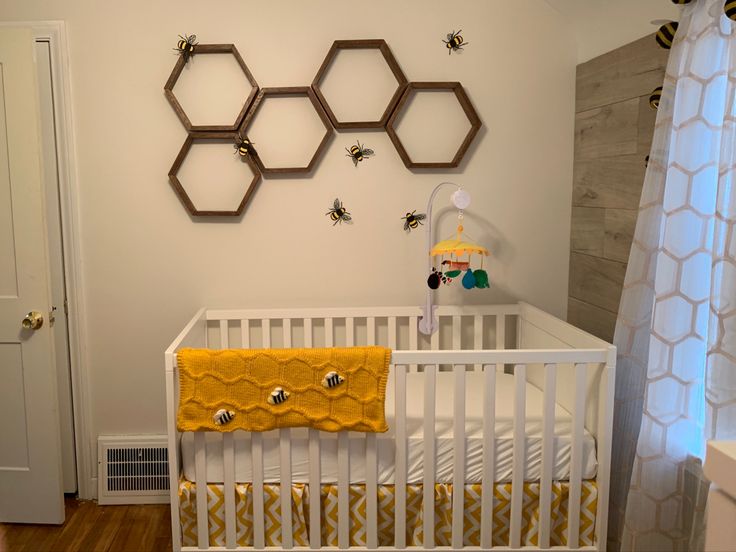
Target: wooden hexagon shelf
{"x":184,"y":196}
{"x":287,"y":91}
{"x":377,"y":44}
{"x":467,"y":108}
{"x":176,"y":73}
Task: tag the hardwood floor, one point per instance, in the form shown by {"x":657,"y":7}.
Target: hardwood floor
{"x":94,"y":528}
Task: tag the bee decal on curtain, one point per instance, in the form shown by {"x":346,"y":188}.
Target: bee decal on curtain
{"x":413,"y":220}
{"x":243,"y":146}
{"x":223,"y":416}
{"x":278,"y":396}
{"x":455,"y":42}
{"x":332,"y":379}
{"x":666,"y":34}
{"x":338,"y":213}
{"x":655,"y":98}
{"x":729,"y":8}
{"x":359,"y":152}
{"x":185,"y":46}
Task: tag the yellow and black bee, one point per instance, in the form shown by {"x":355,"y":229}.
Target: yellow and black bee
{"x":412,"y":220}
{"x":666,"y":34}
{"x":455,"y":42}
{"x":278,"y":396}
{"x":332,"y":379}
{"x":655,"y":98}
{"x":359,"y":152}
{"x":186,"y":45}
{"x":729,"y":9}
{"x":223,"y":416}
{"x":243,"y":146}
{"x":338,"y":213}
{"x":646,"y":162}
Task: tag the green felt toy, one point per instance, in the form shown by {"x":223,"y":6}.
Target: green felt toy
{"x":481,"y":278}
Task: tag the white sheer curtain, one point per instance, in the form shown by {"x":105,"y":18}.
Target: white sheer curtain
{"x":676,"y":331}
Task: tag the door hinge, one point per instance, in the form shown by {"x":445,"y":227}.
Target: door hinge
{"x":66,"y":306}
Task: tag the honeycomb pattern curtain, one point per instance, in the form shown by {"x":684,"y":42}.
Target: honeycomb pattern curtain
{"x":676,"y":331}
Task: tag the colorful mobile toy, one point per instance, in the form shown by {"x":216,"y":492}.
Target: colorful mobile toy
{"x":451,"y":251}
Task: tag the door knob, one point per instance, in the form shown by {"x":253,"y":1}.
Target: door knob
{"x":33,"y":320}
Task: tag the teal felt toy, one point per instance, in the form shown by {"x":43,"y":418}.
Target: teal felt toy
{"x":469,"y":280}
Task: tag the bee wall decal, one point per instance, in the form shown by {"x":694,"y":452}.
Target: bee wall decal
{"x":413,"y":220}
{"x":338,"y":213}
{"x":223,"y":416}
{"x":332,"y":379}
{"x":455,"y":42}
{"x":186,"y":45}
{"x":359,"y":152}
{"x":278,"y":396}
{"x":243,"y":146}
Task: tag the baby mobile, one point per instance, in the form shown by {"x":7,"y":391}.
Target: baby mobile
{"x":452,"y":261}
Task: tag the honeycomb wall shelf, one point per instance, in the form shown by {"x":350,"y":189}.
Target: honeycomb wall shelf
{"x":202,"y":49}
{"x":288,"y":91}
{"x":181,"y":191}
{"x":377,"y":44}
{"x":467,"y":107}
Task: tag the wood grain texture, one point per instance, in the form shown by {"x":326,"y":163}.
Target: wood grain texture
{"x":89,"y":527}
{"x":606,"y":131}
{"x":587,"y":230}
{"x":596,"y":281}
{"x":619,"y":226}
{"x":599,"y":322}
{"x":632,"y":70}
{"x":611,"y":182}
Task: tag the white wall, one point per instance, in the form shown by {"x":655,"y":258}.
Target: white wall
{"x":600,"y":26}
{"x":147,"y":266}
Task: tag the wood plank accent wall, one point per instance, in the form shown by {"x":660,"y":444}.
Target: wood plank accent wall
{"x":613,"y":133}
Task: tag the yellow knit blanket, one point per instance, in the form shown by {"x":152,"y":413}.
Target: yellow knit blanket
{"x":262,"y":389}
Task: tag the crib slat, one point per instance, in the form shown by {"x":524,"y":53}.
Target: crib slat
{"x":228,"y":466}
{"x":478,"y":337}
{"x":517,"y":478}
{"x":285,"y":450}
{"x":489,"y":455}
{"x":458,"y":483}
{"x":224,"y":335}
{"x":371,"y":467}
{"x":576,"y":457}
{"x":349,"y":331}
{"x":245,"y":333}
{"x":266,"y":330}
{"x":413,"y":338}
{"x":315,"y":487}
{"x":548,"y":460}
{"x":400,"y":476}
{"x":256,"y":442}
{"x":430,"y":387}
{"x":329,"y":332}
{"x":285,"y":461}
{"x":500,"y":331}
{"x":343,"y":488}
{"x":392,"y":332}
{"x":200,"y":469}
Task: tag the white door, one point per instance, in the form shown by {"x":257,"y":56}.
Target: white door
{"x":30,"y":451}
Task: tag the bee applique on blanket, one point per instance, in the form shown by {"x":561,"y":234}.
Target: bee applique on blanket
{"x":329,"y":389}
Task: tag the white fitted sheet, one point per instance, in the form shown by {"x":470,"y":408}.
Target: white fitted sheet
{"x":415,"y":418}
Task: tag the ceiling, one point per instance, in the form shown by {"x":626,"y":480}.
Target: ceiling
{"x":600,"y":26}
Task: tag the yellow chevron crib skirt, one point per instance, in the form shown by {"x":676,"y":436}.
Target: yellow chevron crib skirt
{"x":414,"y":535}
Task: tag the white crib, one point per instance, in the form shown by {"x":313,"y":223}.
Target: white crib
{"x":550,"y":370}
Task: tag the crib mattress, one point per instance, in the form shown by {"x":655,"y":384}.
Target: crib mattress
{"x":386,"y":443}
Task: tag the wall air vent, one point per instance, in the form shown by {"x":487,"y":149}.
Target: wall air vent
{"x":132,"y":469}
